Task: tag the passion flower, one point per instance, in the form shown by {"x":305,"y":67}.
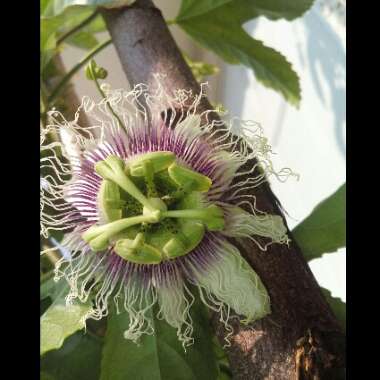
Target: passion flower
{"x":147,"y":198}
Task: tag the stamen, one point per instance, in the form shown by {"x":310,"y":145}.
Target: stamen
{"x":137,"y":251}
{"x":109,"y":201}
{"x":159,"y":160}
{"x":98,"y":236}
{"x":148,"y":170}
{"x":183,"y":176}
{"x":211,"y":216}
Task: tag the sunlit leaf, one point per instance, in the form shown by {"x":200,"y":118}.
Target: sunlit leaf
{"x":248,"y":9}
{"x":60,"y":321}
{"x":83,"y":40}
{"x":193,"y":8}
{"x":48,"y":288}
{"x":61,"y":5}
{"x":324,"y":230}
{"x":217,"y":25}
{"x":55,"y":25}
{"x":48,"y":40}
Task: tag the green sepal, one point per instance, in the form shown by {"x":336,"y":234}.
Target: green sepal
{"x":98,"y":237}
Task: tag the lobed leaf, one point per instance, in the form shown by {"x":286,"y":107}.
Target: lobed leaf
{"x":217,"y":25}
{"x":248,"y":9}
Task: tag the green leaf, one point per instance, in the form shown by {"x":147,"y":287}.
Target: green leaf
{"x":49,"y":291}
{"x":83,"y":40}
{"x":54,"y":25}
{"x":78,"y":358}
{"x":96,"y":26}
{"x":337,"y":305}
{"x":60,"y":321}
{"x":46,"y":376}
{"x":45,"y":6}
{"x":44,"y":304}
{"x":201,"y":69}
{"x":224,"y":366}
{"x":159,"y":356}
{"x":220,"y":30}
{"x":61,"y":5}
{"x":324,"y":230}
{"x":48,"y":41}
{"x":248,"y":9}
{"x":224,"y":376}
{"x":69,"y":17}
{"x":50,"y":29}
{"x":193,"y":8}
{"x":278,"y":9}
{"x":48,"y":288}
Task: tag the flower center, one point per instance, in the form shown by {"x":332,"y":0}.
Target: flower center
{"x":152,"y":208}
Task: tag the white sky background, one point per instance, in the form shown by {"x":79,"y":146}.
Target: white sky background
{"x":311,"y":140}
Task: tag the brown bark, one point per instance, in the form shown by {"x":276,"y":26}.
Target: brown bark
{"x":301,"y":338}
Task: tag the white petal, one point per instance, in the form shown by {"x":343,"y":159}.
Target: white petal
{"x":240,"y":223}
{"x":235,"y":283}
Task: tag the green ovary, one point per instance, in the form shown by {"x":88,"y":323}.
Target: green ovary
{"x":151,"y":208}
